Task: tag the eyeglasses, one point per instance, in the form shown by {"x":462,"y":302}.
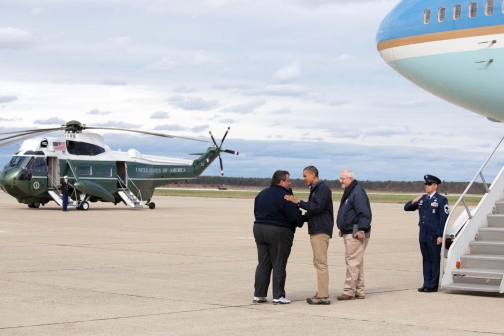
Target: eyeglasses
{"x":429,"y":183}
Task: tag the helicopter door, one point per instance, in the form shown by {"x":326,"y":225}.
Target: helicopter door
{"x":122,"y":173}
{"x":53,"y":172}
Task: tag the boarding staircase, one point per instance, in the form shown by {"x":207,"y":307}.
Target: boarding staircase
{"x":58,"y":197}
{"x":476,"y":256}
{"x":129,"y":198}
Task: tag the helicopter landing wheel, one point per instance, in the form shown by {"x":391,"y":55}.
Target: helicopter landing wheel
{"x":34,"y":205}
{"x":152,"y":205}
{"x":84,"y":205}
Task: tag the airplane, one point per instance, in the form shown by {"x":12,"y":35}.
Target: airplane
{"x":452,"y":49}
{"x":95,"y":172}
{"x":449,"y":48}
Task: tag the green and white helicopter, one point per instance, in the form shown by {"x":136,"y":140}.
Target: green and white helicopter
{"x":95,"y":172}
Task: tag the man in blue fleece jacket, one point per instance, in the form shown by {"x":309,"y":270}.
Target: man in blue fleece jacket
{"x":274,"y":227}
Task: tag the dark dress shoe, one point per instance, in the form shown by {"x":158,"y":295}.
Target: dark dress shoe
{"x":430,"y":290}
{"x":421,"y":289}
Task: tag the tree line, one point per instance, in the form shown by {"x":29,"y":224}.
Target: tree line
{"x":383,"y":186}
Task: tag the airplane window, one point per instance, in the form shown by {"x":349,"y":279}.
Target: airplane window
{"x":489,"y":7}
{"x":457,"y":11}
{"x":441,"y":14}
{"x":426,"y":16}
{"x":473,"y":9}
{"x":84,"y":171}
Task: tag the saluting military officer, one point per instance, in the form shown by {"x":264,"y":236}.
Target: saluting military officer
{"x":433,"y":211}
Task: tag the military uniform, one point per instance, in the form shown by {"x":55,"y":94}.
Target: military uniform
{"x":433,"y":212}
{"x":64,"y":188}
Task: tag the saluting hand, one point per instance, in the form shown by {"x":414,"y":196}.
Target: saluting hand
{"x":417,"y":199}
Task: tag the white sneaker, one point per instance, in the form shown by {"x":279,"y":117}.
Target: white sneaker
{"x":282,"y":300}
{"x":260,"y":299}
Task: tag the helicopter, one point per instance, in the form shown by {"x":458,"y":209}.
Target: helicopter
{"x":95,"y":172}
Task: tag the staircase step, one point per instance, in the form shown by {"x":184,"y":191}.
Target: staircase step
{"x":496,"y":220}
{"x":499,"y":207}
{"x":485,"y":261}
{"x":487,"y":247}
{"x":491,"y":233}
{"x":473,"y":287}
{"x":479,"y":273}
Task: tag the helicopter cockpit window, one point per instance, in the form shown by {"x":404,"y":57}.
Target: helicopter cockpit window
{"x":40,"y":165}
{"x":83,"y":148}
{"x":18,"y":161}
{"x":29,"y":165}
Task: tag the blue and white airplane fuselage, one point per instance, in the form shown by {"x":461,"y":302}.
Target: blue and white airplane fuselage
{"x":452,"y":49}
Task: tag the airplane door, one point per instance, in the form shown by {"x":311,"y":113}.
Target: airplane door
{"x":53,"y":172}
{"x":122,"y":173}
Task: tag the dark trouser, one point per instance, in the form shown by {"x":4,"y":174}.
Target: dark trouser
{"x":273,"y":249}
{"x":65,"y":202}
{"x":431,"y":254}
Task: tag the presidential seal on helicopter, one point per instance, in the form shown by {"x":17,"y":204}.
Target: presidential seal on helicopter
{"x":96,"y":173}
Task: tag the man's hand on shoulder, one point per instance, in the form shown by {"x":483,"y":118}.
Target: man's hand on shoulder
{"x":291,"y":199}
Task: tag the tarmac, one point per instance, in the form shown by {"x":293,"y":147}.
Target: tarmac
{"x":187,"y":268}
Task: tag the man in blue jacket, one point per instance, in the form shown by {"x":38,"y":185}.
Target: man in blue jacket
{"x":354,"y":220}
{"x":274,"y":227}
{"x":433,"y":211}
{"x":320,"y":217}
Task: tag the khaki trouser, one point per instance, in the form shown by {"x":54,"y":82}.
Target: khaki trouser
{"x":320,"y":244}
{"x":354,"y":258}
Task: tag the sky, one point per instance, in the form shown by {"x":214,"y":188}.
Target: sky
{"x":298,"y":81}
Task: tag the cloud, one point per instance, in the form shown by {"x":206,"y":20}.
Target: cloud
{"x":199,"y":128}
{"x":117,"y":124}
{"x":192,"y":103}
{"x":281,"y":90}
{"x":120,"y":40}
{"x":245,"y":108}
{"x":283,"y":110}
{"x":14,"y":38}
{"x":287,"y":74}
{"x":201,"y":57}
{"x":404,"y":104}
{"x":159,"y":115}
{"x":169,"y":127}
{"x":227,"y":121}
{"x":98,"y":112}
{"x":342,"y":58}
{"x":164,"y":64}
{"x":113,"y":82}
{"x":36,"y":11}
{"x":11,"y":119}
{"x":50,"y":121}
{"x":7,"y":99}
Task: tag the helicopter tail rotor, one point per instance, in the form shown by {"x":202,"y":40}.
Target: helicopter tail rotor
{"x":219,"y":150}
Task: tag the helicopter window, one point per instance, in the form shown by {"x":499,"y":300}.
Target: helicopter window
{"x":426,"y":16}
{"x":83,"y":148}
{"x":40,"y":165}
{"x":84,"y":170}
{"x":29,"y":165}
{"x":441,"y":14}
{"x":18,"y":161}
{"x":457,"y":11}
{"x":473,"y":9}
{"x":489,"y":7}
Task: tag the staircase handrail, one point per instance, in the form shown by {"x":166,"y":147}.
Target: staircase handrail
{"x":462,"y":198}
{"x":139,"y":192}
{"x":74,"y":192}
{"x":122,"y":183}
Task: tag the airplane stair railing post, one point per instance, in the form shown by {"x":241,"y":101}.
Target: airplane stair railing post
{"x":462,"y":273}
{"x":129,"y":197}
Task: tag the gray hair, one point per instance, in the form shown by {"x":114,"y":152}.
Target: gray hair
{"x":349,"y":173}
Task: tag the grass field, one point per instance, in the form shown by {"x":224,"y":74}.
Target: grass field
{"x":300,"y":194}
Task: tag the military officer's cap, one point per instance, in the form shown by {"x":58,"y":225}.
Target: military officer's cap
{"x":431,"y":179}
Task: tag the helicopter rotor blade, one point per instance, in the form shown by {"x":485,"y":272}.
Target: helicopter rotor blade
{"x":230,"y":151}
{"x":22,"y":138}
{"x":224,"y":137}
{"x":34,"y":130}
{"x":215,"y":143}
{"x":221,"y":167}
{"x":199,"y":154}
{"x":145,"y":132}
